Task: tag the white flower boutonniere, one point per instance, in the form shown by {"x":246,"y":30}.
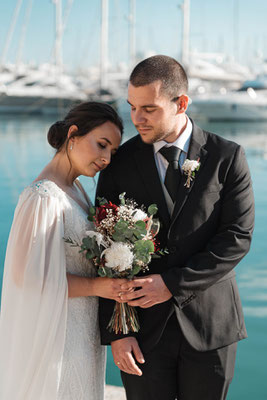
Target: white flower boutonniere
{"x":190,"y":167}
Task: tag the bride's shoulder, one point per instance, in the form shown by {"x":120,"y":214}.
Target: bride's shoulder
{"x":43,"y":188}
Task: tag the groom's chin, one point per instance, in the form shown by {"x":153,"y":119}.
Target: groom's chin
{"x":147,"y":139}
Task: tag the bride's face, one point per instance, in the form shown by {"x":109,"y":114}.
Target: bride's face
{"x":92,"y":152}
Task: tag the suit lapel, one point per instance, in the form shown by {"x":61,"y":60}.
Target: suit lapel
{"x":196,"y":151}
{"x":146,"y":165}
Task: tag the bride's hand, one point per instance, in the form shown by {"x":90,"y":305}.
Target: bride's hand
{"x":110,"y":288}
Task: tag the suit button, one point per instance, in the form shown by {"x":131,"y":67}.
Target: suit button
{"x":172,"y":249}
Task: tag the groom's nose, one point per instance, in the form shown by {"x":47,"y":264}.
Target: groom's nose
{"x":138,"y":117}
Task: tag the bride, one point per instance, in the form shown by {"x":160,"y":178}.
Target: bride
{"x":49,"y":339}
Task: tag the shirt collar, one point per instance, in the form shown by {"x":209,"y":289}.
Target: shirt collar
{"x":182,"y":142}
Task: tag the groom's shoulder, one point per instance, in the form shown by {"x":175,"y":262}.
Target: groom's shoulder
{"x":218,"y":144}
{"x":131,"y":144}
{"x":129,"y":147}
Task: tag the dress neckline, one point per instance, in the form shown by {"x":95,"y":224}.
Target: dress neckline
{"x":66,"y":194}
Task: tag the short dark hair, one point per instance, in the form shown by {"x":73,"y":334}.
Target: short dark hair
{"x":86,"y":116}
{"x":161,"y":68}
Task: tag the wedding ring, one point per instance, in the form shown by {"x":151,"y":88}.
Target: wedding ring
{"x":120,"y":294}
{"x":118,"y":363}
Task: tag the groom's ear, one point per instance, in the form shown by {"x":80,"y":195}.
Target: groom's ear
{"x":182,"y":103}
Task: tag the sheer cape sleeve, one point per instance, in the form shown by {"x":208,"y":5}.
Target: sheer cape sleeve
{"x":34,"y":299}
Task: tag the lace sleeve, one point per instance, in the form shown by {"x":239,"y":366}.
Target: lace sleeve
{"x":34,"y":299}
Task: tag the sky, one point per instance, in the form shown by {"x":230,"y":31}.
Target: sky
{"x":234,"y":27}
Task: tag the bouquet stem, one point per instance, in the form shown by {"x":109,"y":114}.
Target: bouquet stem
{"x":124,"y":319}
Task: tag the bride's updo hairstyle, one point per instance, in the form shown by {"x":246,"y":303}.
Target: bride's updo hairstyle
{"x":86,"y":116}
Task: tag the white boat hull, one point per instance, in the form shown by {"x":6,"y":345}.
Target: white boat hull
{"x":35,"y":104}
{"x":234,"y":106}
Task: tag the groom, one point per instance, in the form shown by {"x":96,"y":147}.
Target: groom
{"x":188,"y":303}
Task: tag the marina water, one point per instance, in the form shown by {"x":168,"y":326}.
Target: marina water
{"x":24,"y":152}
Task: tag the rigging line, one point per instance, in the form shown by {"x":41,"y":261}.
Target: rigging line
{"x":11,"y":31}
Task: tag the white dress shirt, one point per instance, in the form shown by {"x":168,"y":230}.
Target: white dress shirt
{"x":182,"y":142}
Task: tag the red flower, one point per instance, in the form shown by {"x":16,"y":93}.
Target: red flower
{"x":156,"y":245}
{"x":101,"y":211}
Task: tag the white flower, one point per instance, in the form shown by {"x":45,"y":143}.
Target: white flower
{"x":118,"y":256}
{"x":139,"y":215}
{"x":98,"y":236}
{"x":190,"y":165}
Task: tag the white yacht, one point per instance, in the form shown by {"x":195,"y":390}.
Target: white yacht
{"x":248,"y":103}
{"x":42,"y":90}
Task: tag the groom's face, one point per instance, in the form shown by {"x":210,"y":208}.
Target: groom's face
{"x":153,"y":113}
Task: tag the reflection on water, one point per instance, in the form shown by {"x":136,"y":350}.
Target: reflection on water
{"x":24,"y":152}
{"x":252,"y":136}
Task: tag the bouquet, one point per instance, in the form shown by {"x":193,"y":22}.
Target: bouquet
{"x":121,"y":246}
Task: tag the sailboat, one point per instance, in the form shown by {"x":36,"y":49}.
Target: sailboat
{"x":45,"y":89}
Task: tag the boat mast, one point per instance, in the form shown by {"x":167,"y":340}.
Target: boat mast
{"x":186,"y":32}
{"x":58,"y":43}
{"x":10,"y":32}
{"x":23,"y":32}
{"x":132,"y":43}
{"x":104,"y":46}
{"x":236,"y":29}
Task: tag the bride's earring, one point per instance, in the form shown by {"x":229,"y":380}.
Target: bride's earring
{"x":71,"y":146}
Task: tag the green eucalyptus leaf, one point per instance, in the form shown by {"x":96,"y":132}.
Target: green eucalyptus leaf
{"x":152,"y":209}
{"x":102,"y":201}
{"x":122,"y":198}
{"x":87,"y":243}
{"x":118,"y":237}
{"x":144,"y":247}
{"x":144,"y":258}
{"x":101,"y":272}
{"x":108,"y":272}
{"x":90,"y":254}
{"x":121,"y":226}
{"x":140,"y":225}
{"x":137,"y":234}
{"x":129,"y":234}
{"x":92,"y":211}
{"x":135,"y":270}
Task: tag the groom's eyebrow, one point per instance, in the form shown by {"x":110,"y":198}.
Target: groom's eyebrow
{"x":144,"y":106}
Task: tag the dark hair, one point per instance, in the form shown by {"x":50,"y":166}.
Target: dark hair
{"x":86,"y":116}
{"x":161,"y":68}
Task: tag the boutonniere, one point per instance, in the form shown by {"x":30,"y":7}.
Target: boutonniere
{"x":190,"y":167}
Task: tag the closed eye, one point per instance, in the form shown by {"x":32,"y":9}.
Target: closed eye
{"x":150,"y":110}
{"x":102,"y":146}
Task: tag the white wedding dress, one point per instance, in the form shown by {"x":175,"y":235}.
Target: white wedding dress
{"x":49,"y":344}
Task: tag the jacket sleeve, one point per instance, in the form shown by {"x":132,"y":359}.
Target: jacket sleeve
{"x":230,"y":243}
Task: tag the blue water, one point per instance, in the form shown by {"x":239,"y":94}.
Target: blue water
{"x":24,"y":152}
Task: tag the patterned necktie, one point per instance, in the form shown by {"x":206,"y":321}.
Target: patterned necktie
{"x":173,"y":173}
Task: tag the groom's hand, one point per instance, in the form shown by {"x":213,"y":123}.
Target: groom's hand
{"x":151,"y":290}
{"x":125,"y":351}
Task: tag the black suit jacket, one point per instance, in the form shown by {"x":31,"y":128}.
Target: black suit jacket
{"x":207,"y":235}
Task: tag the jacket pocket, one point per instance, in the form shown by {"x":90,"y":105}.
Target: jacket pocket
{"x":211,"y":188}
